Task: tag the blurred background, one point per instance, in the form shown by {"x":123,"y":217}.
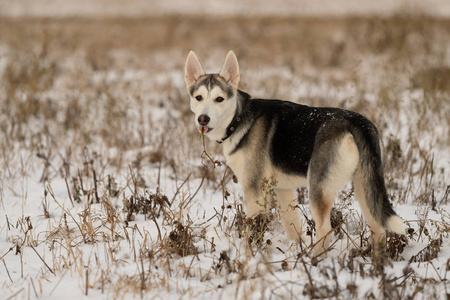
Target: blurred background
{"x":67,"y":8}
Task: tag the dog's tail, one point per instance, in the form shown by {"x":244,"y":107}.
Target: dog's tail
{"x":369,"y":181}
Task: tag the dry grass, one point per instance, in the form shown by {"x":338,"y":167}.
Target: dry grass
{"x":94,"y":113}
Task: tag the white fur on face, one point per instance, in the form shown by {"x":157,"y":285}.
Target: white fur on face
{"x":220,"y":113}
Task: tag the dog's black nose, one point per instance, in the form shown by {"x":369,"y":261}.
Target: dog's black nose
{"x":203,"y":120}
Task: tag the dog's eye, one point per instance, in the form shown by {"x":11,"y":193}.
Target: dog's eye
{"x":199,"y":98}
{"x":219,"y":99}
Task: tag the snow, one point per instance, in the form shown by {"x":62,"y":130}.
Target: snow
{"x":84,"y":249}
{"x":192,"y":276}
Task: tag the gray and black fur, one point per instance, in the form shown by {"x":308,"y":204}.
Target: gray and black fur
{"x":313,"y":127}
{"x":319,"y":147}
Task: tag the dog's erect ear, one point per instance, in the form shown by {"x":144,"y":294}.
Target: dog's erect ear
{"x":230,"y":69}
{"x":193,"y":69}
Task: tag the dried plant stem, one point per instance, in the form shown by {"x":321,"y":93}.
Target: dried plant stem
{"x":7,"y":271}
{"x":40,"y":257}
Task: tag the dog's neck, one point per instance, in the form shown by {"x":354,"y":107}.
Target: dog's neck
{"x":231,"y":128}
{"x":238,"y":117}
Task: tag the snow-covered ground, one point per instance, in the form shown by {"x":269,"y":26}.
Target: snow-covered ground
{"x":104,"y":191}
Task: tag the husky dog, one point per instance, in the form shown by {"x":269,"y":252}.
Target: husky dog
{"x":318,"y":147}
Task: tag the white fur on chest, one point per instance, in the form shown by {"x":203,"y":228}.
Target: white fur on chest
{"x":238,"y":160}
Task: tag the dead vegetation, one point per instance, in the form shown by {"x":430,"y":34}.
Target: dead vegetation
{"x":94,"y":115}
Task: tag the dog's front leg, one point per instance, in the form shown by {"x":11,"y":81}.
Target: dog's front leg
{"x":290,"y":214}
{"x":254,"y":202}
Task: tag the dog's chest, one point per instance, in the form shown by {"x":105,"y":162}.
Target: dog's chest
{"x":236,"y":160}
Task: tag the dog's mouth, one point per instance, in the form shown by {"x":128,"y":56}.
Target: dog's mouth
{"x":204,"y":129}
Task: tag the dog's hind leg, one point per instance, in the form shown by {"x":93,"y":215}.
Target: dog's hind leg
{"x":320,"y":209}
{"x":289,"y":213}
{"x":360,"y":194}
{"x":333,"y":163}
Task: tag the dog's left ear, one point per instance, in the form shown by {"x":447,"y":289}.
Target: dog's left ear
{"x":193,"y":69}
{"x":230,"y":69}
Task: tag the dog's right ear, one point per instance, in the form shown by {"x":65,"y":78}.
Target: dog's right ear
{"x":193,"y":69}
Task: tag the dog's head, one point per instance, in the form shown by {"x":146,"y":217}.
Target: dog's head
{"x":212,"y":96}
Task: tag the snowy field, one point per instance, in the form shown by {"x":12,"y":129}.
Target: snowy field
{"x":107,"y":191}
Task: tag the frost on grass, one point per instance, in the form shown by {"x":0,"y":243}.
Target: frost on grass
{"x":107,"y":190}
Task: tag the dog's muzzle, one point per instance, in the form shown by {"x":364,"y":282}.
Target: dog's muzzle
{"x":203,"y":120}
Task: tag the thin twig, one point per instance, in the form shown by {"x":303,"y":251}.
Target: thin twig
{"x":156,"y":223}
{"x":7,"y":271}
{"x":158,"y":181}
{"x":201,"y":183}
{"x":10,"y":249}
{"x":178,"y":190}
{"x":56,"y":285}
{"x":97,"y":199}
{"x":68,"y":191}
{"x":42,"y":259}
{"x":34,"y":288}
{"x":15,"y":294}
{"x":87,"y":282}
